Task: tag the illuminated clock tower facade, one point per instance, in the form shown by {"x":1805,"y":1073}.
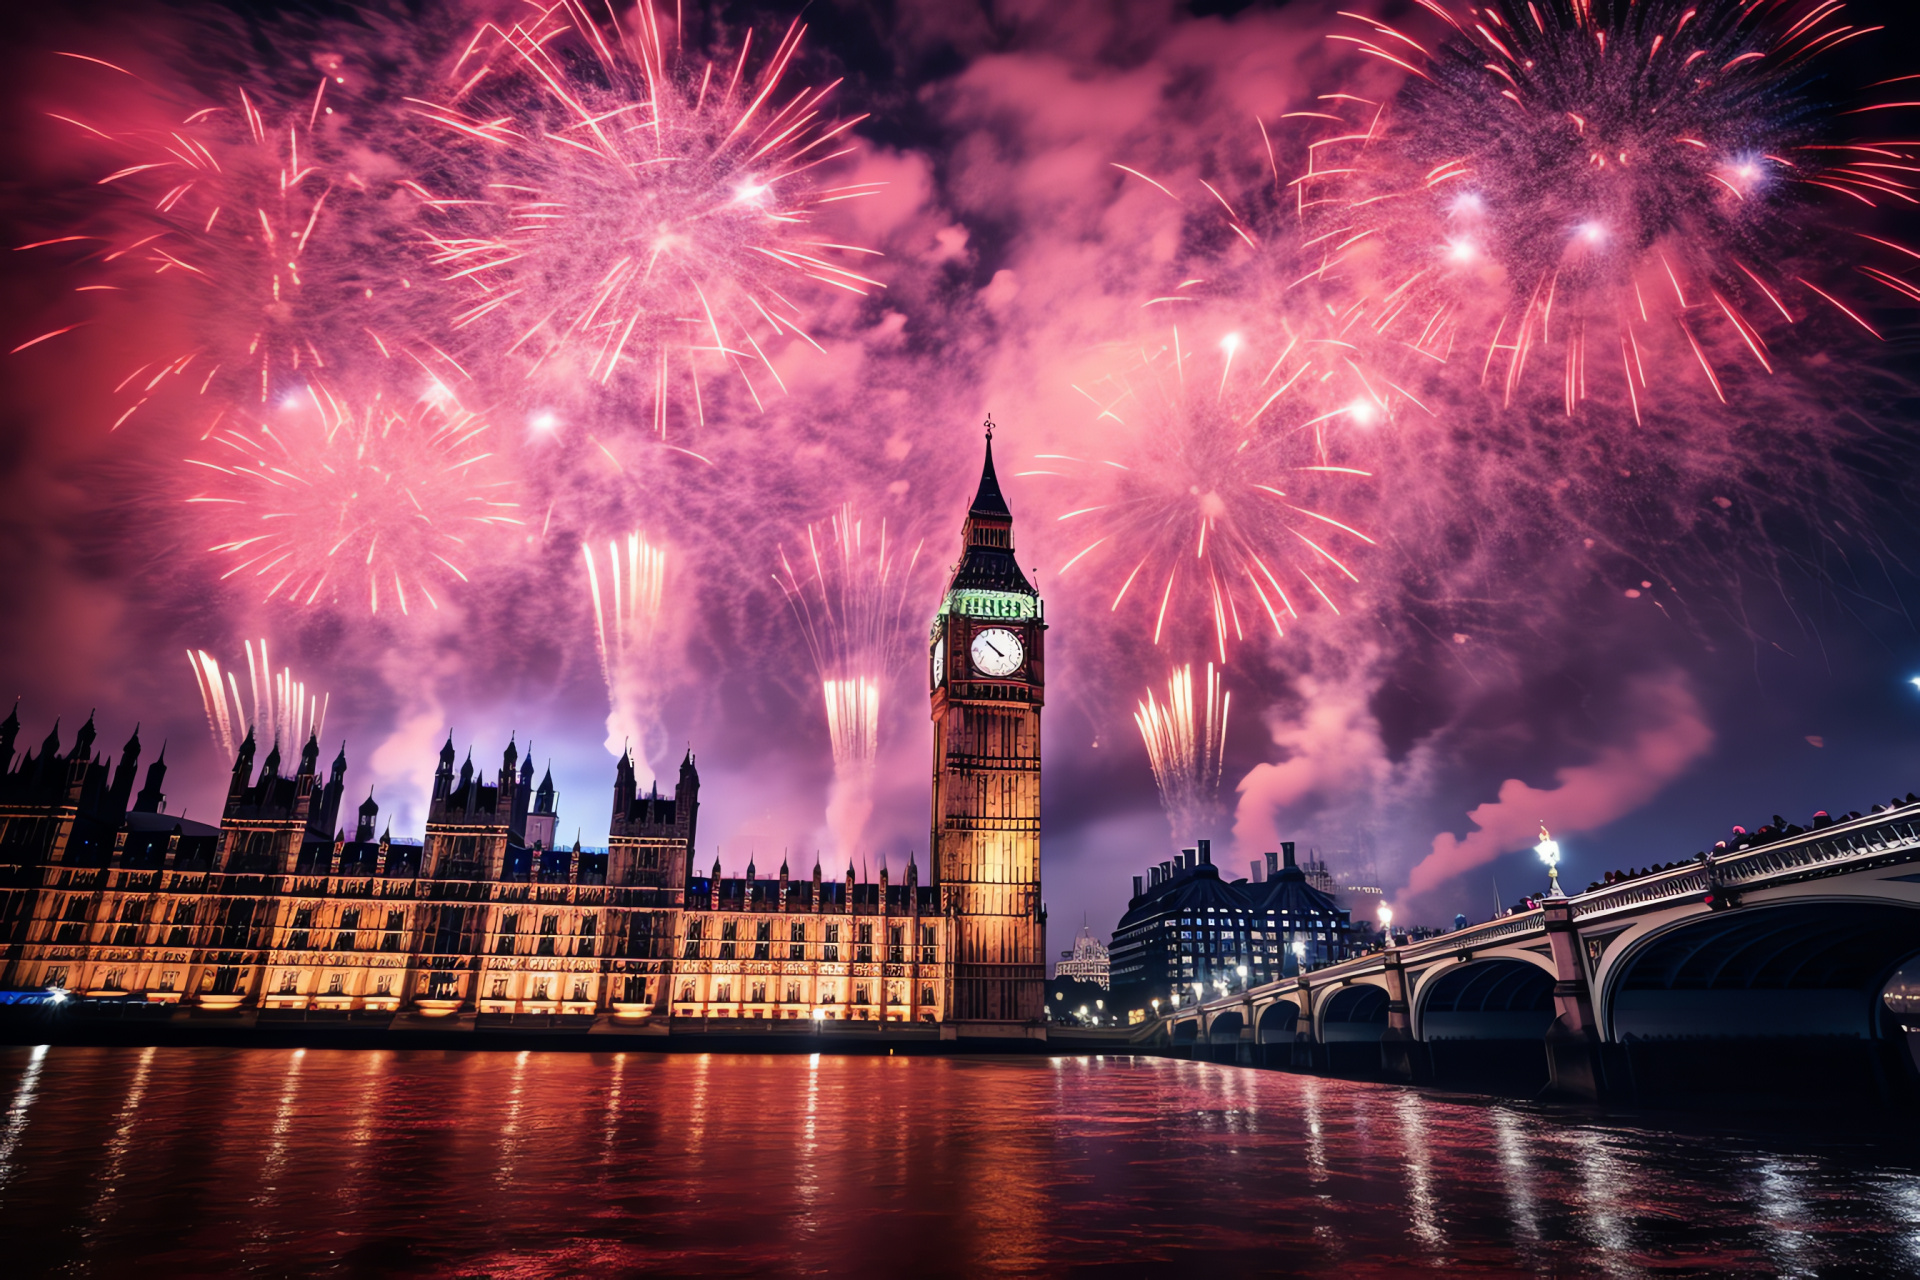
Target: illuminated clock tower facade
{"x":988,"y":681}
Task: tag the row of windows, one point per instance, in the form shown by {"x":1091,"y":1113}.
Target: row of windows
{"x":756,"y":993}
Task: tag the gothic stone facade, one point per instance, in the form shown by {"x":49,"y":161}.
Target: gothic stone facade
{"x":275,"y":909}
{"x":264,"y":912}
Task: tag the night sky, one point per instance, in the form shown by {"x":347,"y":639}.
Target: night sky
{"x":1496,"y":652}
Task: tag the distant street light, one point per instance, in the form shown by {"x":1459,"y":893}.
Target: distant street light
{"x":1242,"y":970}
{"x":1385,"y":913}
{"x":1549,"y":851}
{"x":1299,"y":954}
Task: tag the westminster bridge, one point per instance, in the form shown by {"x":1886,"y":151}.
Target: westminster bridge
{"x":1748,"y":972}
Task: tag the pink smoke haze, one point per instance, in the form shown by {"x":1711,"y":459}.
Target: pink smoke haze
{"x":1669,"y":737}
{"x":1347,"y":368}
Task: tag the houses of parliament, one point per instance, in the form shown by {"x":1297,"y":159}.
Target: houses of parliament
{"x":289,"y":910}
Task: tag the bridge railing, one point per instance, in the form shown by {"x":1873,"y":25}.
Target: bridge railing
{"x":1890,"y":834}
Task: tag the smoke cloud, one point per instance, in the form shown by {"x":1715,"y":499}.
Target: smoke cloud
{"x":1064,"y":203}
{"x":1669,"y":736}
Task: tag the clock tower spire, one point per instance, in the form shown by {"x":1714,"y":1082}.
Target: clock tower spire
{"x":988,"y":681}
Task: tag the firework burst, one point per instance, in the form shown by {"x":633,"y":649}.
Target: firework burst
{"x":1572,"y":186}
{"x":245,"y":222}
{"x":625,"y":217}
{"x":282,"y":707}
{"x":329,"y":501}
{"x":1185,"y":743}
{"x":851,"y":594}
{"x":1209,"y":501}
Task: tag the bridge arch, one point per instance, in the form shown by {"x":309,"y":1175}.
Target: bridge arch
{"x":1353,"y":1014}
{"x":1224,"y":1027}
{"x":1278,"y":1023}
{"x":1809,"y":968}
{"x":1498,"y":998}
{"x":1186,"y":1030}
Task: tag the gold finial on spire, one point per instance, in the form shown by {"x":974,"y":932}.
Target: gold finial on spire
{"x":989,"y":426}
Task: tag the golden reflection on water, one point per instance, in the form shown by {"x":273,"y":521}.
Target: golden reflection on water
{"x":532,"y":1164}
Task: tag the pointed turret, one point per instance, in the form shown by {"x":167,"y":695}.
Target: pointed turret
{"x":325,"y":815}
{"x":310,"y":756}
{"x":443,"y":775}
{"x":624,"y":786}
{"x":987,"y":561}
{"x":543,"y":799}
{"x":242,"y":768}
{"x":151,"y":798}
{"x":466,"y":771}
{"x":509,"y":762}
{"x":121,"y":792}
{"x":270,"y":767}
{"x":50,"y":746}
{"x":83,"y":741}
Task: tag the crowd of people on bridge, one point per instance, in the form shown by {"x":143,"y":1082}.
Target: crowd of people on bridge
{"x":1741,"y":838}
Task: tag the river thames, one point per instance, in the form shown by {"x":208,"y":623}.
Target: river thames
{"x":291,"y":1162}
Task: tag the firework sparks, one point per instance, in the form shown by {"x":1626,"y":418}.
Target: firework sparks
{"x":851,"y":597}
{"x":1185,"y":744}
{"x":242,"y":219}
{"x":329,"y":501}
{"x":627,"y":596}
{"x":281,"y":705}
{"x":625,"y":613}
{"x":635,"y":219}
{"x":1583,"y":187}
{"x":1213,"y":504}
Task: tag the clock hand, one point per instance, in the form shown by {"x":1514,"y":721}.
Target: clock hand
{"x":990,"y":644}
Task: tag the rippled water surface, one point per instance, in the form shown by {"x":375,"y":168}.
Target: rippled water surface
{"x":206,"y":1161}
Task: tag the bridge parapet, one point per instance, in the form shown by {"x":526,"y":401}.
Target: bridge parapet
{"x":1890,"y":836}
{"x":1893,"y":835}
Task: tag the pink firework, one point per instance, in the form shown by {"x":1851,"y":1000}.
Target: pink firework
{"x":1589,"y":188}
{"x":243,"y":221}
{"x":618,"y":216}
{"x":1209,"y":495}
{"x":328,"y":501}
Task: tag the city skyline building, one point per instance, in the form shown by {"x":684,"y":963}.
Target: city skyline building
{"x":1088,"y":960}
{"x":1186,"y":929}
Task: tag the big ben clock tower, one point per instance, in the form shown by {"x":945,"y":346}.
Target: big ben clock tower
{"x":988,"y":680}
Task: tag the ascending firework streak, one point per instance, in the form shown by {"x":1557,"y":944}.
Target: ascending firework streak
{"x":281,"y":707}
{"x":1185,"y":745}
{"x":626,"y":612}
{"x":852,"y":606}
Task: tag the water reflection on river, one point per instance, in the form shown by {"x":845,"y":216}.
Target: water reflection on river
{"x":290,"y":1162}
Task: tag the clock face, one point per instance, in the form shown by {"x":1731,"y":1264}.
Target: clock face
{"x":997,"y":652}
{"x":939,"y":662}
